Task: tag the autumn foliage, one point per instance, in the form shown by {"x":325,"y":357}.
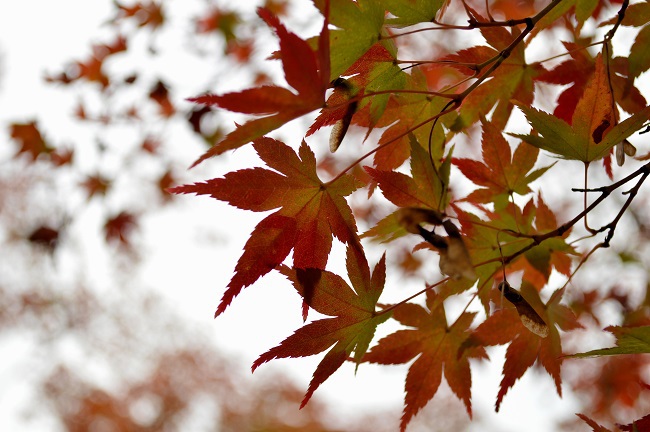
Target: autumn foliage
{"x":465,"y":139}
{"x":354,"y":72}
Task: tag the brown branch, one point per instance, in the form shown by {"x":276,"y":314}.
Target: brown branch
{"x":605,"y":191}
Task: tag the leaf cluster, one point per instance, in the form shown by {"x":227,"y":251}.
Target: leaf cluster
{"x":355,"y":71}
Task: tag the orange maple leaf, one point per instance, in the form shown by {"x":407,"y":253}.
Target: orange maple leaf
{"x":526,"y":347}
{"x":435,"y":344}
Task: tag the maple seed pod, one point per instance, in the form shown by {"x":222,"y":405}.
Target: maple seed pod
{"x":529,"y":318}
{"x":411,"y":218}
{"x":341,"y":126}
{"x":624,"y":148}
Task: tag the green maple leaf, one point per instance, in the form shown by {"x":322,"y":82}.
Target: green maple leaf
{"x":414,"y":111}
{"x":352,"y":308}
{"x":505,"y":233}
{"x":359,"y":25}
{"x":592,"y":133}
{"x":413,"y":12}
{"x":629,"y":340}
{"x":374,"y":72}
{"x":639,"y":57}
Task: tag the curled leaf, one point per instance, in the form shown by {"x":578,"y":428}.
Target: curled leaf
{"x":529,"y":318}
{"x":454,"y":258}
{"x":455,"y":261}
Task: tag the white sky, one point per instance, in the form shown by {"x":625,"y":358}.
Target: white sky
{"x":41,"y":35}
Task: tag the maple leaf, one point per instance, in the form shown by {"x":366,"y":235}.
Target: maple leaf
{"x":359,"y":24}
{"x":92,"y":69}
{"x":146,"y":14}
{"x":575,"y":73}
{"x":45,"y":236}
{"x":415,"y":110}
{"x":618,"y":380}
{"x":512,"y":80}
{"x":637,"y":15}
{"x":31,"y":141}
{"x":305,"y":70}
{"x":310,"y":211}
{"x":552,"y":253}
{"x":629,"y":340}
{"x":501,"y":174}
{"x":96,"y":185}
{"x":425,"y":189}
{"x":526,"y":347}
{"x":642,"y":424}
{"x":505,"y":234}
{"x":639,"y":56}
{"x":435,"y":344}
{"x":412,"y":12}
{"x":374,"y":72}
{"x":592,"y":133}
{"x":119,"y":228}
{"x":160,"y":95}
{"x":352,"y":308}
{"x":594,"y":426}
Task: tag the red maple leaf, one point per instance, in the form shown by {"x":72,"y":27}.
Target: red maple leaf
{"x":616,"y":381}
{"x":160,"y":95}
{"x":436,"y":346}
{"x":306,"y":70}
{"x":512,"y":80}
{"x":120,"y":227}
{"x":92,"y":69}
{"x":30,"y":139}
{"x":595,"y":427}
{"x":352,"y":308}
{"x":426,"y":187}
{"x":642,"y":424}
{"x":311,"y":212}
{"x":575,"y":72}
{"x":144,"y":13}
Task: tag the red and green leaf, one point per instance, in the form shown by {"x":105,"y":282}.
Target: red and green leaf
{"x":593,"y":132}
{"x":352,"y":309}
{"x":426,"y":188}
{"x":501,"y":174}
